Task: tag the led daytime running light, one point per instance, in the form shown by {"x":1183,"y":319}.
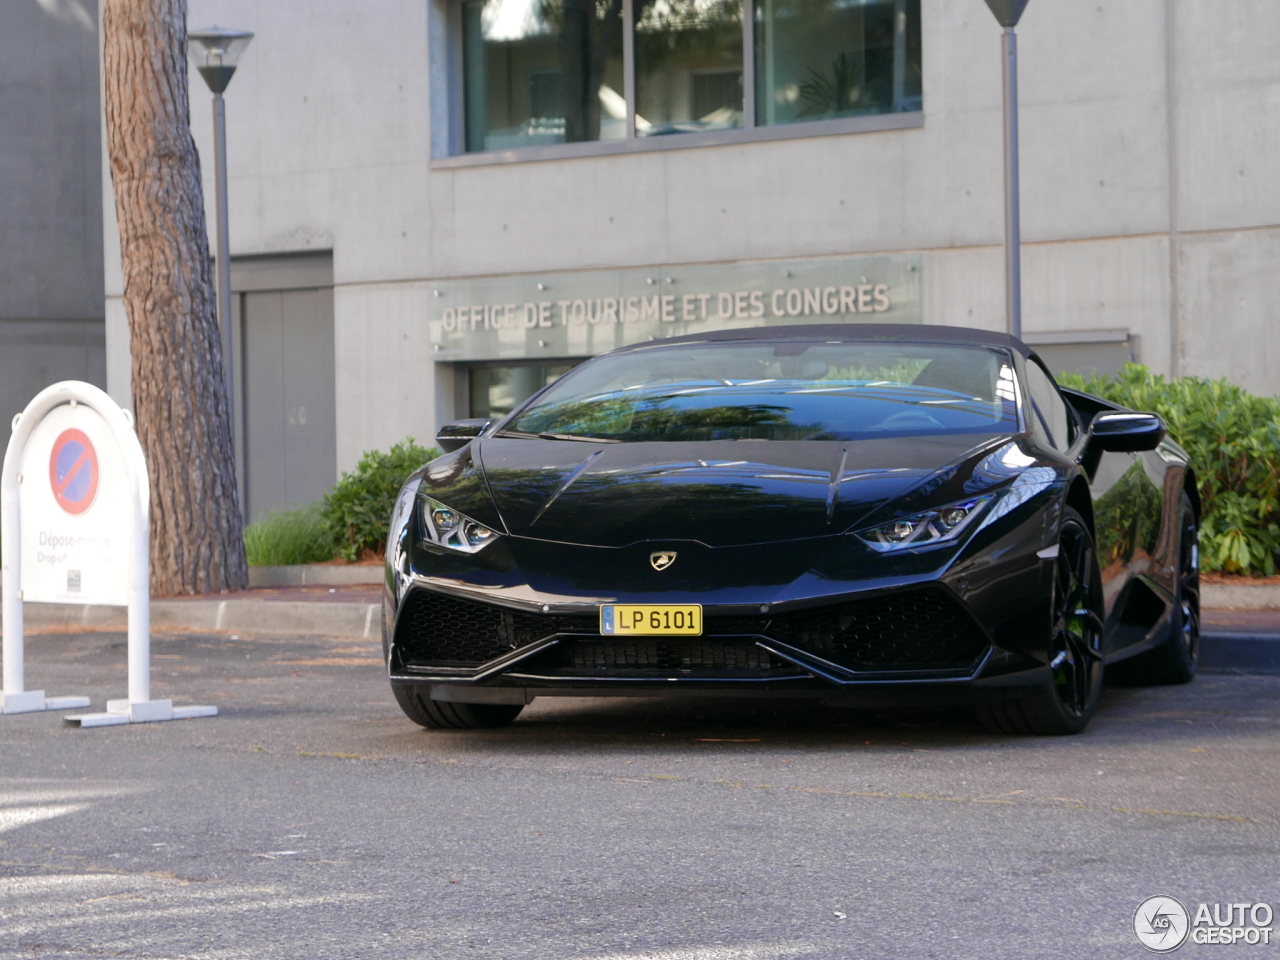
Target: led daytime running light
{"x":448,"y":528}
{"x":938,"y":526}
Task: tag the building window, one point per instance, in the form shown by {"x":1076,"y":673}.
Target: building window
{"x":539,"y":72}
{"x":494,"y":391}
{"x":688,"y":66}
{"x":824,"y":59}
{"x":542,"y":71}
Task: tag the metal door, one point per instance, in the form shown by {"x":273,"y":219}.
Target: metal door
{"x":290,"y":456}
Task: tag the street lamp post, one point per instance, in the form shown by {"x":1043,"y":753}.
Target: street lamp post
{"x":215,"y":53}
{"x":1008,"y":13}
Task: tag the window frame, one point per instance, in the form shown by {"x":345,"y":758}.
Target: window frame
{"x":450,"y":133}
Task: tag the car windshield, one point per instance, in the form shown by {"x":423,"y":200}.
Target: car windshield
{"x":778,"y":390}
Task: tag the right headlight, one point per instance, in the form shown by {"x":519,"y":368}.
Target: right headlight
{"x":447,"y":527}
{"x":928,"y":528}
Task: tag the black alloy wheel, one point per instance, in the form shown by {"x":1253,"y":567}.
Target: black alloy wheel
{"x":1066,"y":703}
{"x":1176,"y":659}
{"x":1076,"y":649}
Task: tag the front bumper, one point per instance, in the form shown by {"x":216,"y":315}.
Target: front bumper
{"x":864,"y":648}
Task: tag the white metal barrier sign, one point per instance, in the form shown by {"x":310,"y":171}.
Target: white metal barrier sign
{"x":74,"y":511}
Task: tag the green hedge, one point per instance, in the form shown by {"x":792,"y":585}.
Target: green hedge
{"x":350,"y":522}
{"x":358,"y":509}
{"x":289,"y":536}
{"x":1233,"y":438}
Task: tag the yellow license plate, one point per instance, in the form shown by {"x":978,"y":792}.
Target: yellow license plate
{"x":651,"y":620}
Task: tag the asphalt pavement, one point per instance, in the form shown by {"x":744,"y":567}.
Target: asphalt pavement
{"x":311,"y":820}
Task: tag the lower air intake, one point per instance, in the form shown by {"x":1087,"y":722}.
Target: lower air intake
{"x":436,"y":630}
{"x":916,"y":630}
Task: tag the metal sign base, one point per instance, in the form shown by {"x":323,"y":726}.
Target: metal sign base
{"x":145,"y":711}
{"x":34,"y":701}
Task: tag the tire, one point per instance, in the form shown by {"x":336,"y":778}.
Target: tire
{"x":446,"y":715}
{"x":1064,"y":705}
{"x":1176,"y":660}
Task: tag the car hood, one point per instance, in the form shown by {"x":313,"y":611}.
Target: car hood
{"x":718,"y":493}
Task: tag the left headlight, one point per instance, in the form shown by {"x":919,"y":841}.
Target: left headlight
{"x":447,"y":527}
{"x":937,"y":526}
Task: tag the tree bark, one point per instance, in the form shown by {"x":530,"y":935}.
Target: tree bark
{"x":179,"y":391}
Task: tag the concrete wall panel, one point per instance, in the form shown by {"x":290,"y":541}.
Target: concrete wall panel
{"x":1110,"y":284}
{"x":965,"y":287}
{"x":36,"y":353}
{"x":1230,"y":310}
{"x":1095,"y":168}
{"x":384,"y":371}
{"x":329,"y":98}
{"x":50,"y":155}
{"x":1228,"y":95}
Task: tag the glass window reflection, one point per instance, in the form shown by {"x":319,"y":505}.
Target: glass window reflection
{"x":688,"y":66}
{"x":496,"y":391}
{"x":823,"y":59}
{"x":541,"y":72}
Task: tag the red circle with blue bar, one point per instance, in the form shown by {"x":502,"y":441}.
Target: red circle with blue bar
{"x":73,"y":471}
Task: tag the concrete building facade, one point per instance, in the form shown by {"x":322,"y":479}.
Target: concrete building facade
{"x":51,"y":260}
{"x":1151,"y":203}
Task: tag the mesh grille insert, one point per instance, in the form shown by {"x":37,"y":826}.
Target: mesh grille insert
{"x":647,"y":656}
{"x":436,"y":630}
{"x":918,"y":630}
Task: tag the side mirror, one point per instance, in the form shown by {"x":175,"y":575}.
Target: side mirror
{"x":456,"y":435}
{"x":1126,"y":432}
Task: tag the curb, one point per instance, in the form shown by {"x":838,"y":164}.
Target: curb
{"x":316,"y":575}
{"x":273,"y":617}
{"x":1240,"y":596}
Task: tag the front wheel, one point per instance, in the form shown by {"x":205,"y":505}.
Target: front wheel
{"x":1066,"y":703}
{"x":446,"y":715}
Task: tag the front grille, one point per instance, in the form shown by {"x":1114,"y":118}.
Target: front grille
{"x":918,"y":630}
{"x":648,"y":656}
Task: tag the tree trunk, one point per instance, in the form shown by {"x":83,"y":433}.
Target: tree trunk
{"x":179,"y":393}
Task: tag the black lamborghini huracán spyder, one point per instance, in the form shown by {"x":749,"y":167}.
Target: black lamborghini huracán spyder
{"x":861,"y":514}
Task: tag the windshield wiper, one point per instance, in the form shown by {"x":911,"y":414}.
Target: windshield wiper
{"x":516,"y":435}
{"x":522,"y":435}
{"x":574,"y":436}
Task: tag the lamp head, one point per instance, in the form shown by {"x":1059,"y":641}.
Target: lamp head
{"x":1008,"y":12}
{"x":215,"y":53}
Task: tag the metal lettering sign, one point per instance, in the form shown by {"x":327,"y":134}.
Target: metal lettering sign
{"x":76,"y":516}
{"x":591,"y":312}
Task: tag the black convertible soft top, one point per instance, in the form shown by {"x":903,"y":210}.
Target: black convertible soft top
{"x":925,"y":333}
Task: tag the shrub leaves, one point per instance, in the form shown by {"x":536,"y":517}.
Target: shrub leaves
{"x":1233,"y":439}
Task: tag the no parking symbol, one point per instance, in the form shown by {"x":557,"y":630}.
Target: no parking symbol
{"x":73,"y":471}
